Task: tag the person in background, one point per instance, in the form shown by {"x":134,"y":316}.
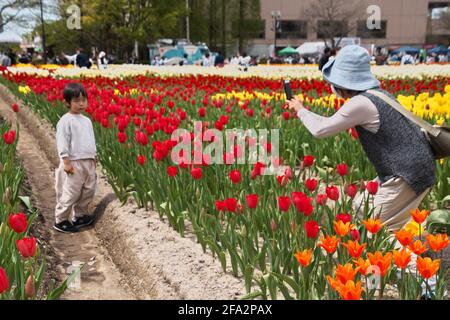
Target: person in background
{"x":102,"y":63}
{"x":407,"y":59}
{"x":206,"y":62}
{"x":82,"y":59}
{"x":325,"y":57}
{"x":423,"y":55}
{"x":245,"y":60}
{"x":219,"y":61}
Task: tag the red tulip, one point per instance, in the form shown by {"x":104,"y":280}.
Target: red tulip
{"x":141,"y":159}
{"x":231,"y":204}
{"x":354,"y":133}
{"x":311,"y":184}
{"x":9,"y":136}
{"x":251,"y":200}
{"x":141,"y":138}
{"x":257,"y":170}
{"x":284,"y":203}
{"x":4,"y":282}
{"x":15,"y":107}
{"x":342,"y":169}
{"x":312,"y":229}
{"x":372,"y":187}
{"x":332,"y":193}
{"x":351,"y":190}
{"x":122,"y":137}
{"x":196,"y":173}
{"x":235,"y":176}
{"x":321,"y":199}
{"x":220,"y":205}
{"x":302,"y":203}
{"x":172,"y":171}
{"x":354,"y":234}
{"x":27,"y":247}
{"x":286,"y":115}
{"x":18,"y":222}
{"x":282,"y":180}
{"x":201,"y":112}
{"x":308,"y":160}
{"x":344,"y":217}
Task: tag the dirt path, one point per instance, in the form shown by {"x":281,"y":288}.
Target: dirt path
{"x":131,"y":253}
{"x":100,"y":278}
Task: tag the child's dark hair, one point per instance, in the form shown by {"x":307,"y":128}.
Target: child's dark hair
{"x":73,"y":90}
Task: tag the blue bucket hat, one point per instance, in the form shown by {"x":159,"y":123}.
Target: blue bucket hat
{"x":351,"y":70}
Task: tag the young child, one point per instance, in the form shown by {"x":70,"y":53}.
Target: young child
{"x":75,"y":177}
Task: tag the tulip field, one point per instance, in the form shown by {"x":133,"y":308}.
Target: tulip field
{"x":290,"y":235}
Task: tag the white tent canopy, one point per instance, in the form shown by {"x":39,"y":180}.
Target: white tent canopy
{"x":10,"y":37}
{"x":311,"y":48}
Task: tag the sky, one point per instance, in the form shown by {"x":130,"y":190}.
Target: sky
{"x":30,"y":15}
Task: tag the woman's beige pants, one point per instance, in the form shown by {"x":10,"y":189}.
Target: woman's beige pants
{"x":393,"y":203}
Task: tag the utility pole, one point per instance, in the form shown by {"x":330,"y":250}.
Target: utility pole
{"x":44,"y":49}
{"x":276,"y":15}
{"x":187,"y":21}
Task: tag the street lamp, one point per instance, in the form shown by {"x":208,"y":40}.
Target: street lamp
{"x":276,"y":15}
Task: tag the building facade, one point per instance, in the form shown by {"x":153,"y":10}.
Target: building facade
{"x":403,"y":22}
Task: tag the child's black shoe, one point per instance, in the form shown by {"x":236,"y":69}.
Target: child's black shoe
{"x":65,"y":227}
{"x":83,"y":221}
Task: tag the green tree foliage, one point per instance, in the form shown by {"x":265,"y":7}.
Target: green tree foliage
{"x":115,"y":25}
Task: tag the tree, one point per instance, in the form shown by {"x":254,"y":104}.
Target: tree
{"x":12,"y":11}
{"x":334,"y":18}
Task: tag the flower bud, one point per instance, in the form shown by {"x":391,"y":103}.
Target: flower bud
{"x":362,"y":185}
{"x":30,"y":288}
{"x":244,"y":232}
{"x":273,"y":225}
{"x":7,"y":195}
{"x":294,"y":227}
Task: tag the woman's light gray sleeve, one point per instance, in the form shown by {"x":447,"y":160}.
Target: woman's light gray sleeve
{"x":352,"y":113}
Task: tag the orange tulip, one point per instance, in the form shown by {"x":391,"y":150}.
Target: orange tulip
{"x":420,"y":216}
{"x":382,"y":262}
{"x":427,"y":267}
{"x":437,"y":242}
{"x":304,"y":257}
{"x":362,"y":264}
{"x":341,"y":228}
{"x":372,"y":225}
{"x":335,"y":284}
{"x":418,"y":247}
{"x":350,"y":291}
{"x":329,"y":243}
{"x":402,"y":258}
{"x":405,"y":237}
{"x":346,"y":272}
{"x":354,"y":248}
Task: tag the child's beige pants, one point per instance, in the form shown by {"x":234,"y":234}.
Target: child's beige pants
{"x":393,"y":203}
{"x":74,"y":191}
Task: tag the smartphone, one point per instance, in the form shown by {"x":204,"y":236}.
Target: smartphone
{"x":287,"y":89}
